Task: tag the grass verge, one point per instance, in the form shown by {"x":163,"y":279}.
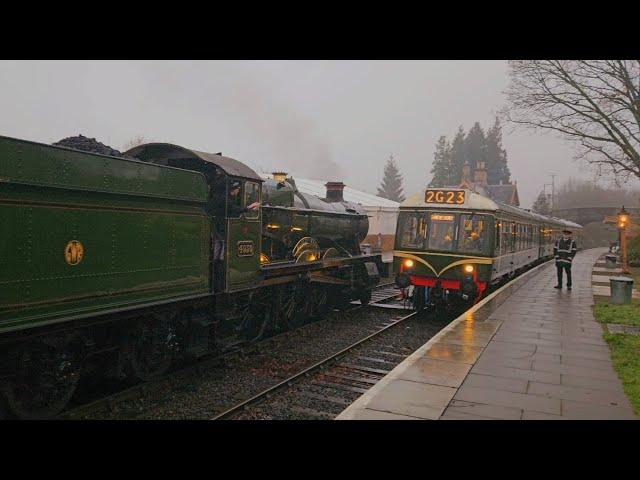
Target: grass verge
{"x":625,"y":354}
{"x":623,"y":314}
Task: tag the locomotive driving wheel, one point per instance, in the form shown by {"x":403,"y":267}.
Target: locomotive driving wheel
{"x":45,"y":379}
{"x":150,"y":348}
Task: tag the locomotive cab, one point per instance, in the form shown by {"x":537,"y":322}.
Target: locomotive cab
{"x":236,"y":230}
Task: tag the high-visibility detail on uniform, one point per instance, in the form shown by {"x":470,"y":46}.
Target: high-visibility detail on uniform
{"x":564,"y":250}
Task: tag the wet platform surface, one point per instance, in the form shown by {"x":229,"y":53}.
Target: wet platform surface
{"x":529,"y":352}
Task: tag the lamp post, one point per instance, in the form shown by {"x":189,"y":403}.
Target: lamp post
{"x":623,"y":221}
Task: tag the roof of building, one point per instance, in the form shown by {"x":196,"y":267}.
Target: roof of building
{"x":506,"y":193}
{"x":317,"y":187}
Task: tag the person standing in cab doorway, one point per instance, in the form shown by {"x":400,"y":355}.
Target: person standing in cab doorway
{"x":564,"y":250}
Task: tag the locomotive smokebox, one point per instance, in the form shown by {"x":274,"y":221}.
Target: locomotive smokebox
{"x":335,"y":191}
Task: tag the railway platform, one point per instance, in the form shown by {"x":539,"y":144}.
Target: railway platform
{"x":526,"y":352}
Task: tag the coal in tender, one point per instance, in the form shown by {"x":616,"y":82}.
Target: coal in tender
{"x":87,"y":144}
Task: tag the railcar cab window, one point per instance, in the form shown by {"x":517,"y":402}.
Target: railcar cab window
{"x":473,"y":236}
{"x":413,"y":230}
{"x":442,"y":232}
{"x":238,"y":196}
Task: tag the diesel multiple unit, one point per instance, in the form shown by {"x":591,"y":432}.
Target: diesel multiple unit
{"x":455,"y":243}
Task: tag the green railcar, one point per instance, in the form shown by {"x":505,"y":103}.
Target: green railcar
{"x":454,"y":244}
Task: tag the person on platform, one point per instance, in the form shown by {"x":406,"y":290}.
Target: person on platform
{"x":563,"y":251}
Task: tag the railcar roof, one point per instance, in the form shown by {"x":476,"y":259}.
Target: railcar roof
{"x":475,"y":201}
{"x":163,"y":152}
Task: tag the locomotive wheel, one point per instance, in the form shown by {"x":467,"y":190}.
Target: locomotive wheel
{"x":365,"y":297}
{"x":320,"y":301}
{"x":46,"y":378}
{"x":254,"y":318}
{"x":295,"y":306}
{"x":150,"y":349}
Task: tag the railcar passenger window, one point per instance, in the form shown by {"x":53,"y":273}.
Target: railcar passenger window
{"x":442,"y":231}
{"x":413,"y":230}
{"x":472,"y":236}
{"x":506,"y":237}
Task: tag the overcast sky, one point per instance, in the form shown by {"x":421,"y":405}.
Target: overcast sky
{"x":333,"y":120}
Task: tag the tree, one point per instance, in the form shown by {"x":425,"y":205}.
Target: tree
{"x":541,"y":205}
{"x":593,"y":103}
{"x":391,"y":186}
{"x":497,"y":169}
{"x":475,"y":147}
{"x":456,"y":154}
{"x":441,"y":169}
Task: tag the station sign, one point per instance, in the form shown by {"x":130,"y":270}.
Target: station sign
{"x":447,"y":197}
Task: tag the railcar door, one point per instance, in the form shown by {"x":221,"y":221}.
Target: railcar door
{"x":244,"y":233}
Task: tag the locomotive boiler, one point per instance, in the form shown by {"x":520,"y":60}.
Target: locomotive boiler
{"x":301,"y":227}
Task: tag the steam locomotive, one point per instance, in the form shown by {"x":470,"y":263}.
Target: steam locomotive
{"x":107,"y":263}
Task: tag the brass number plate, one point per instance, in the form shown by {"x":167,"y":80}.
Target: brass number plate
{"x":245,"y":249}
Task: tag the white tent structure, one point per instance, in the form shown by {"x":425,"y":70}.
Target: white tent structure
{"x":383,"y":213}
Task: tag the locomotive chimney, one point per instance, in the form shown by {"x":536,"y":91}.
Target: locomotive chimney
{"x":480,"y":174}
{"x":334,"y":191}
{"x":279,"y":176}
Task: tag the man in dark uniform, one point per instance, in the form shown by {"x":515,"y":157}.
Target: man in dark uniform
{"x":564,"y":250}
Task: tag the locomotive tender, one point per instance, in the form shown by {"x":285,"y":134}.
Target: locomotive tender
{"x":106,"y":263}
{"x":455,"y":243}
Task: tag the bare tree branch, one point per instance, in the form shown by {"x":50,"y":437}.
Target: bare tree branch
{"x":594,"y":103}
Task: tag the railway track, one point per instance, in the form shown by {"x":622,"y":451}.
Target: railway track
{"x":355,"y":378}
{"x":383,"y":294}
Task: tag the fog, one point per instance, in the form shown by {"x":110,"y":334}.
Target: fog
{"x":333,"y":120}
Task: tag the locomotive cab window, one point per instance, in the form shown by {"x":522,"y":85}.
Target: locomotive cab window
{"x":234,"y":199}
{"x":473,"y":234}
{"x":251,"y":195}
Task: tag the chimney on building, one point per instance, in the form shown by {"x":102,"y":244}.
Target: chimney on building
{"x":466,"y":171}
{"x":335,"y":191}
{"x":480,"y":174}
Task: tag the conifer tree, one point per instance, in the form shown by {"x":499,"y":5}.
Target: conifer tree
{"x":497,"y":169}
{"x":456,"y":154}
{"x":541,"y":205}
{"x":391,"y":186}
{"x":441,"y":167}
{"x":475,"y":144}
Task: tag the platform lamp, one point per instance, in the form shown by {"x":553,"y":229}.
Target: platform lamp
{"x":623,"y":221}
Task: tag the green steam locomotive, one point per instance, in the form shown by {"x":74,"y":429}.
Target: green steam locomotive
{"x":121,"y":265}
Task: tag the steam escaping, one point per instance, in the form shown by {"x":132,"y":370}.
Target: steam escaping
{"x":290,"y":139}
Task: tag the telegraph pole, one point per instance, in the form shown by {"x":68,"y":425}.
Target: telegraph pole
{"x":553,"y":192}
